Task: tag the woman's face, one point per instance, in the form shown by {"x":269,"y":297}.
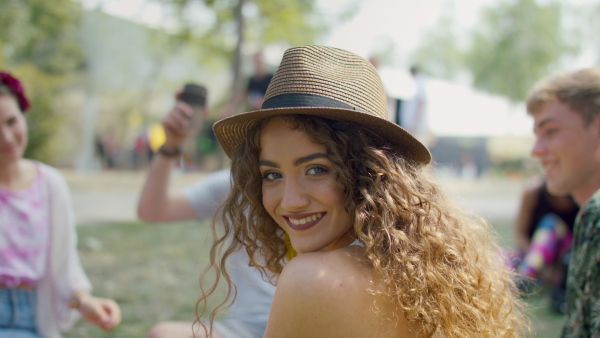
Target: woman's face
{"x":13,"y":130}
{"x":300,"y":190}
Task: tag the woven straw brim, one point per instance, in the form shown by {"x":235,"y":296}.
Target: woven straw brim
{"x":326,"y":82}
{"x":232,"y":131}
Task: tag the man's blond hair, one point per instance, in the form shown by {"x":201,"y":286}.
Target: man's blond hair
{"x":579,"y":89}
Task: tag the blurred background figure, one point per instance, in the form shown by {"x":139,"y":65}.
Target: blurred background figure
{"x":141,"y":154}
{"x":543,"y":231}
{"x":99,"y":150}
{"x":254,"y":91}
{"x":248,"y":315}
{"x":111,"y":149}
{"x":468,"y":166}
{"x":43,"y":288}
{"x":258,"y":83}
{"x":413,"y":116}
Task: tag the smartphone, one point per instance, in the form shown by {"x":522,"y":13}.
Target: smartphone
{"x":194,"y":95}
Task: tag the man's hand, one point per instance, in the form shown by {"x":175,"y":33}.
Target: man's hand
{"x":177,"y":123}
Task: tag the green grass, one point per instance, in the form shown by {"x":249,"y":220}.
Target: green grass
{"x":152,"y":272}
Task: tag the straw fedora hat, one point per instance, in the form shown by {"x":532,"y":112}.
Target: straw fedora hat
{"x":326,"y":82}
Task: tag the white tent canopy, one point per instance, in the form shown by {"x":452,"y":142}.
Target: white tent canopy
{"x":461,"y":111}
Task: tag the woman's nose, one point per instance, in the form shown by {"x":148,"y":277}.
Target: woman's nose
{"x":294,"y":197}
{"x":5,"y":134}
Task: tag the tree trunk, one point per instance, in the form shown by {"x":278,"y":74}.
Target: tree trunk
{"x":237,"y":53}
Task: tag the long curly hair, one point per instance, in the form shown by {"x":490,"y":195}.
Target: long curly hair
{"x":439,"y":263}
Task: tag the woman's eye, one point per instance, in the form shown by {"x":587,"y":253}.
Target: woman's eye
{"x":271,"y":176}
{"x":316,"y":171}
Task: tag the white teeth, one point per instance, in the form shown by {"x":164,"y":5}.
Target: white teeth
{"x":306,"y":219}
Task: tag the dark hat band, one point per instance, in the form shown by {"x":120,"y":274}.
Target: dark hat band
{"x":292,"y":100}
{"x":326,"y":82}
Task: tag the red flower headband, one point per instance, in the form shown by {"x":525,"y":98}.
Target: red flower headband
{"x":16,"y":88}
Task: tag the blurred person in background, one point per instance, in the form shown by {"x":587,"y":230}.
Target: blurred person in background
{"x":249,"y":313}
{"x":43,"y":288}
{"x":566,"y":112}
{"x":414,"y":111}
{"x":543,"y":233}
{"x":255,"y":89}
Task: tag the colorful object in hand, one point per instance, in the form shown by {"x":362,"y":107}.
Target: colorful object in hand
{"x":156,"y":136}
{"x":16,"y":88}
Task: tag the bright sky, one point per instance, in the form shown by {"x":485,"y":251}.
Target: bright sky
{"x":376,"y":22}
{"x":400,"y":22}
{"x":381,"y":22}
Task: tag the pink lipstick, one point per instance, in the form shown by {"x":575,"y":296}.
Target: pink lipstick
{"x":304,"y":221}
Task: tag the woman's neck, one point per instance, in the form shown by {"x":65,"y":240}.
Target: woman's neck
{"x":16,"y":175}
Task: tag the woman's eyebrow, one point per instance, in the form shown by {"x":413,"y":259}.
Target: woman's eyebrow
{"x":309,"y":158}
{"x":297,"y":162}
{"x":268,"y":163}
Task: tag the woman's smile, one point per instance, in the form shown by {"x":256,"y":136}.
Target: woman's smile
{"x":298,"y":222}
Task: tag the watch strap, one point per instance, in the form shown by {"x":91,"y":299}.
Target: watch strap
{"x":169,"y":152}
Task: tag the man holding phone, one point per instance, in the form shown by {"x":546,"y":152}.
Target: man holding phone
{"x":248,"y":316}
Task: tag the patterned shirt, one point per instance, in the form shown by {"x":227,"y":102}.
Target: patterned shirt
{"x":583,"y":280}
{"x":24,"y":235}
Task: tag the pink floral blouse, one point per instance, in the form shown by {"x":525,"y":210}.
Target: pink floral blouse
{"x":24,"y":235}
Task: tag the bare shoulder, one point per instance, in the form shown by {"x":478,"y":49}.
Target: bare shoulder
{"x":326,"y":271}
{"x":329,"y":294}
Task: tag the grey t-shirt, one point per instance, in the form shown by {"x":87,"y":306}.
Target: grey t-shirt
{"x":249,"y":313}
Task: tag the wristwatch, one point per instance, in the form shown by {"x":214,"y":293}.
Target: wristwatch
{"x":169,"y":152}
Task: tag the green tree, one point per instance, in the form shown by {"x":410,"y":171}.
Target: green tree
{"x":239,"y":24}
{"x":38,"y":44}
{"x":516,"y":43}
{"x":441,"y":53}
{"x":42,"y":32}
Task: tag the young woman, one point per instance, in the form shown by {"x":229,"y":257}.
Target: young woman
{"x":381,"y":251}
{"x":43,"y":287}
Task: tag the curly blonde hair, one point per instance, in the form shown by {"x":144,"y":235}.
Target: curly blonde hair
{"x":438,"y":262}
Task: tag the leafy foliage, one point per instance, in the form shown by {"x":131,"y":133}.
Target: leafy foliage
{"x":514,"y":43}
{"x":43,"y":118}
{"x":265,"y":21}
{"x":517,"y":43}
{"x":38,"y":44}
{"x":442,"y":54}
{"x":42,"y":32}
{"x":238,"y":26}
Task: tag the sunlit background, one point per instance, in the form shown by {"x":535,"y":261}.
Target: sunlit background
{"x":101,"y":74}
{"x":107,"y":69}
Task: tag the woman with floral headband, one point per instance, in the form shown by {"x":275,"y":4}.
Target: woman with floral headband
{"x":43,"y":288}
{"x":382,"y":252}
